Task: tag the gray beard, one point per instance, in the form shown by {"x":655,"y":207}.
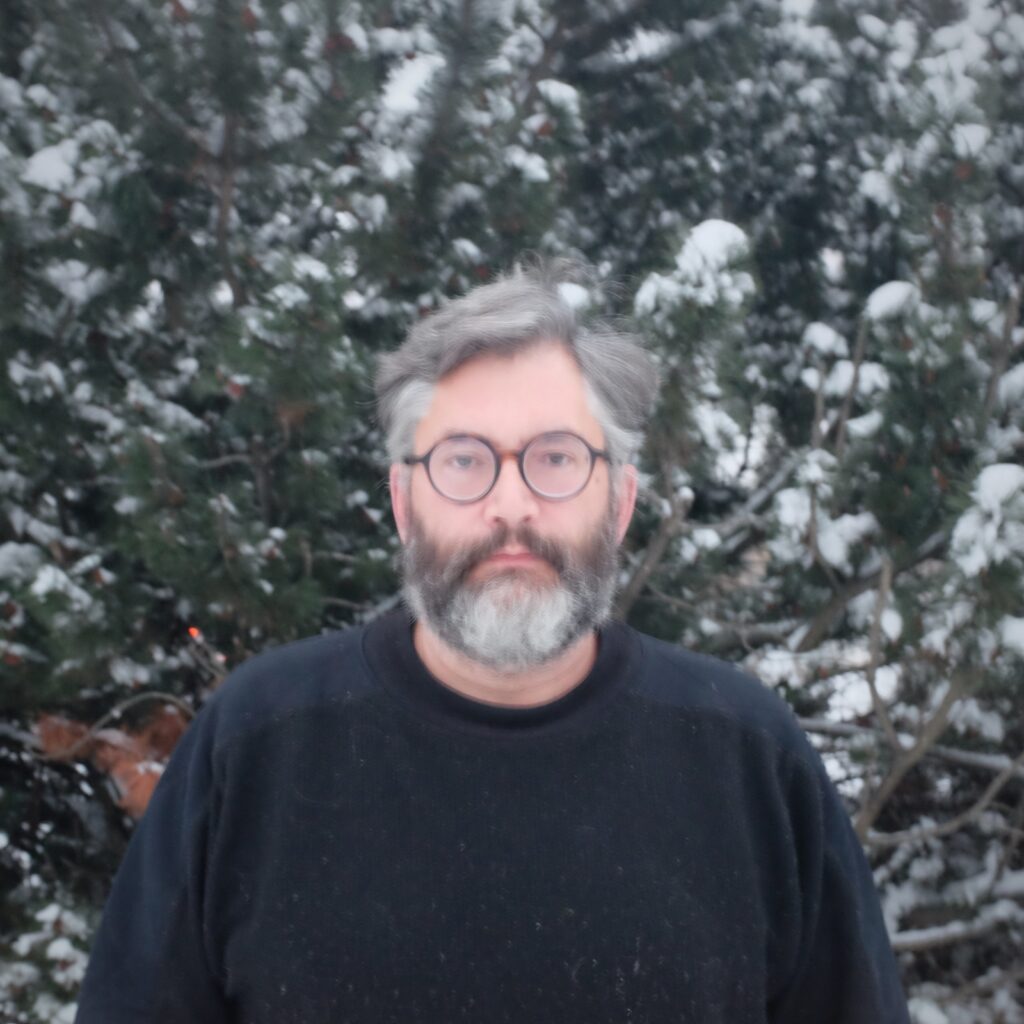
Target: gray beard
{"x":510,"y":622}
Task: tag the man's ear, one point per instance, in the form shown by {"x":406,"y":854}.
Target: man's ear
{"x":399,"y":492}
{"x":627,"y":501}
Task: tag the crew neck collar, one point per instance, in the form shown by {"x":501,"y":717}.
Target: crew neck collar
{"x":392,"y":657}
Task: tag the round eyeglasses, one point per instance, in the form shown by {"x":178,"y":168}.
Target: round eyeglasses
{"x":465,"y":468}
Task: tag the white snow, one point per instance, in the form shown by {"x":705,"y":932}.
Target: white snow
{"x":560,"y":94}
{"x":874,"y":185}
{"x":81,"y":216}
{"x":970,"y":139}
{"x":405,"y":85}
{"x":703,"y":274}
{"x":872,"y":377}
{"x":168,"y":415}
{"x":659,"y":293}
{"x":77,"y":281}
{"x":837,"y":536}
{"x":872,"y":27}
{"x":993,"y":529}
{"x":824,"y":339}
{"x":52,"y":168}
{"x":711,"y":246}
{"x":574,"y":295}
{"x":997,"y":484}
{"x":468,"y":250}
{"x":392,"y":164}
{"x":306,"y":266}
{"x":19,"y":561}
{"x":288,"y":295}
{"x":926,"y":1011}
{"x":840,"y":378}
{"x":891,"y":299}
{"x":851,"y":693}
{"x":49,"y":579}
{"x":1011,"y":633}
{"x":221,"y":296}
{"x":866,"y":425}
{"x":126,"y":672}
{"x":970,"y":717}
{"x":532,"y":166}
{"x":810,"y":377}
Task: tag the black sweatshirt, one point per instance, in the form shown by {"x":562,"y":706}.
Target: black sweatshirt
{"x":341,"y":839}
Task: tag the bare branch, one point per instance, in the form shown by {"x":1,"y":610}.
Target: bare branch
{"x":932,"y":729}
{"x":953,"y":824}
{"x":668,"y":528}
{"x":884,"y":589}
{"x":225,"y":204}
{"x":223,"y":460}
{"x":341,"y":602}
{"x":987,"y":921}
{"x":826,"y":618}
{"x":966,"y":758}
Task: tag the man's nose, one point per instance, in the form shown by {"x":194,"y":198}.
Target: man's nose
{"x":510,"y":500}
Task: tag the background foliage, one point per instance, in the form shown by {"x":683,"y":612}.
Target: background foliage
{"x":214,"y":216}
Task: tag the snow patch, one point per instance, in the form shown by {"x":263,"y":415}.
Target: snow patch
{"x":560,"y":94}
{"x":970,"y":139}
{"x":52,"y":168}
{"x":891,"y":299}
{"x":404,"y":88}
{"x":825,"y":340}
{"x":532,"y":166}
{"x":575,"y":296}
{"x":1011,"y":633}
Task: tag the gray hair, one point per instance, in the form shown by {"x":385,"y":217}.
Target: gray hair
{"x":515,"y":311}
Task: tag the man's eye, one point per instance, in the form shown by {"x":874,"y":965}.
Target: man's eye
{"x":463,"y":461}
{"x":556,"y":459}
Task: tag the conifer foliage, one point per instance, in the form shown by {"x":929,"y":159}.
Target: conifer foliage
{"x":215,"y":215}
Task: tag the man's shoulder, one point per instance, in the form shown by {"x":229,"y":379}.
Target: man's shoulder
{"x":705,"y":686}
{"x":320,"y":671}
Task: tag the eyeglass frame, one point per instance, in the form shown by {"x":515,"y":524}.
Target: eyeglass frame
{"x":499,"y":458}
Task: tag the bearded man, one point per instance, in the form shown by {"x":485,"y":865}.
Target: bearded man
{"x":495,"y":804}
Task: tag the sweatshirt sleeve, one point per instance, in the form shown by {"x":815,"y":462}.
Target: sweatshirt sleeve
{"x":151,"y":959}
{"x":845,"y":971}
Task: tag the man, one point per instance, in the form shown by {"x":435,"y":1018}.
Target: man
{"x":501,"y":807}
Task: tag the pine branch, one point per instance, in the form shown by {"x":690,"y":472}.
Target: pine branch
{"x":164,"y":114}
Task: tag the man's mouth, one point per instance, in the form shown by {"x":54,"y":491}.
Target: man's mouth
{"x":513,"y":558}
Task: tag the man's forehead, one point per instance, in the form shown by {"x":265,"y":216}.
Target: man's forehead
{"x":510,"y":399}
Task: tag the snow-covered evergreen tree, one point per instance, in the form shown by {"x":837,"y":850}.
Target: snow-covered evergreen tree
{"x":214,"y":216}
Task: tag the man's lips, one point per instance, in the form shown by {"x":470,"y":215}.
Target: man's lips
{"x":513,"y":557}
{"x":511,"y":560}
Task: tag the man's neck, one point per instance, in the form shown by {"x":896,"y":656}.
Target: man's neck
{"x":528,"y":688}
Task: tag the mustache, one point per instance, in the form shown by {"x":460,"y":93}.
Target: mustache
{"x":462,"y":562}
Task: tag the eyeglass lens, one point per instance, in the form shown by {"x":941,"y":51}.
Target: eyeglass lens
{"x":554,"y":465}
